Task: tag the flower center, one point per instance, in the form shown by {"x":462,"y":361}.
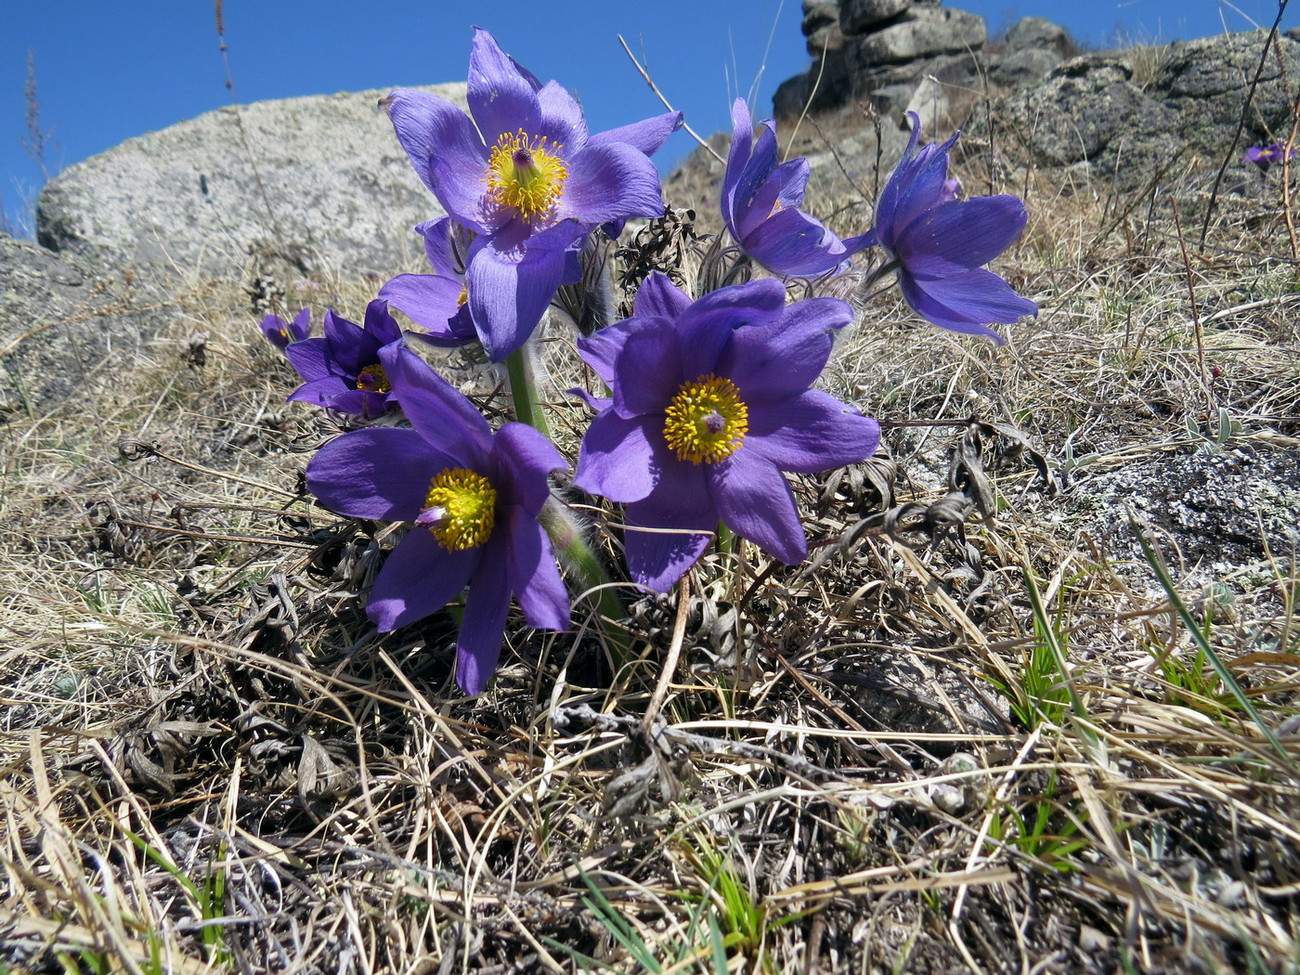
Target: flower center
{"x":706,"y":420}
{"x":374,"y":379}
{"x":527,"y":174}
{"x":460,"y":509}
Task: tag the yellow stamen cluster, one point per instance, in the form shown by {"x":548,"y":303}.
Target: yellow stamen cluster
{"x":527,"y":174}
{"x":374,"y":379}
{"x":465,"y":505}
{"x":706,"y":420}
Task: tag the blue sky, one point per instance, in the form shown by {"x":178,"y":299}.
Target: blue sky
{"x":106,"y":71}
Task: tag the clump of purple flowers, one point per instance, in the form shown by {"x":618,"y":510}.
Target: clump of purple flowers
{"x":711,"y":404}
{"x":523,"y":174}
{"x":472,"y":498}
{"x":342,"y":371}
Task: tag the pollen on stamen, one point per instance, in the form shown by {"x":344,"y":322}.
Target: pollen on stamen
{"x":526,"y":173}
{"x":462,"y":509}
{"x":373,"y":379}
{"x":706,"y":421}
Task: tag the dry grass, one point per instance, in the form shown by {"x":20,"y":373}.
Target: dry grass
{"x":982,"y":744}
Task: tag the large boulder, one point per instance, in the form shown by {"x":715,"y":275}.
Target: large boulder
{"x":320,"y":181}
{"x":1039,"y":34}
{"x":62,"y":327}
{"x":1205,"y":83}
{"x":1088,"y":111}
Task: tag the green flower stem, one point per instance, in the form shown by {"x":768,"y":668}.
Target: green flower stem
{"x":521,"y":368}
{"x":574,"y":552}
{"x":560,"y":524}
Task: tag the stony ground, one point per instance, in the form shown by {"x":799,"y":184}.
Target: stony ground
{"x":1030,"y":706}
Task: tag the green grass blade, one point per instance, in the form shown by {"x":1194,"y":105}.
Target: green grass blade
{"x":1190,"y":624}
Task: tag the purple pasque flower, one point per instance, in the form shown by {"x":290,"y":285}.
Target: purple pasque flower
{"x":437,"y":302}
{"x":760,"y":205}
{"x":523,"y":173}
{"x":342,"y":370}
{"x":1266,"y":156}
{"x":281,"y":333}
{"x":472,"y":498}
{"x":710,"y":404}
{"x":938,"y":243}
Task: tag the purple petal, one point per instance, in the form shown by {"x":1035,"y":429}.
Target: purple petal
{"x":439,"y":413}
{"x":601,"y":349}
{"x":351,"y":348}
{"x":610,"y":182}
{"x":360,"y":402}
{"x":645,"y":136}
{"x":810,"y":432}
{"x":381,"y":326}
{"x":648,"y":372}
{"x":527,"y":459}
{"x":311,"y":359}
{"x":482,"y":627}
{"x":419,"y":577}
{"x":707,"y":325}
{"x":742,"y":147}
{"x":790,"y":242}
{"x":382,"y":473}
{"x":596,"y":404}
{"x":617,"y":459}
{"x":429,"y":300}
{"x":501,"y":97}
{"x":276,"y":331}
{"x":445,"y":150}
{"x":562,"y":122}
{"x":969,"y":233}
{"x":509,"y":292}
{"x":775,"y":361}
{"x":322,"y":392}
{"x":963,"y":302}
{"x":532,"y":573}
{"x":444,"y":246}
{"x":755,"y":502}
{"x":680,"y":517}
{"x":658,"y":297}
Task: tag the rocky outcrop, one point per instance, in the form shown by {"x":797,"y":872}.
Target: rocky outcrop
{"x":321,"y":182}
{"x":1092,"y":112}
{"x":1033,"y":47}
{"x":862,"y":46}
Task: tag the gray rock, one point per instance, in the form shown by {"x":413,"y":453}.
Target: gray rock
{"x":1038,"y":33}
{"x":1210,"y":512}
{"x":857,"y":16}
{"x":1092,"y":108}
{"x":321,"y":179}
{"x":61,"y":327}
{"x":921,"y":33}
{"x":828,"y":37}
{"x":931,"y":104}
{"x":891,"y":101}
{"x":1089,"y":111}
{"x":818,"y":14}
{"x":1205,"y":83}
{"x":1016,"y":69}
